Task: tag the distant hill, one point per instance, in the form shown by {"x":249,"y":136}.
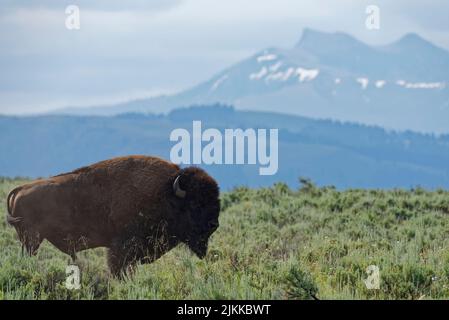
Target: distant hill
{"x":330,"y":153}
{"x":402,"y":86}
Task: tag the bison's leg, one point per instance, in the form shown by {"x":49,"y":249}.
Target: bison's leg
{"x":115,"y":262}
{"x":31,"y":240}
{"x":120,"y":263}
{"x":123,"y":255}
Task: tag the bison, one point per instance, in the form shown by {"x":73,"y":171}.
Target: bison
{"x":138,"y":207}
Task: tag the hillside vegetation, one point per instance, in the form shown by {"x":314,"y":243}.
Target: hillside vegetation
{"x":272,"y":243}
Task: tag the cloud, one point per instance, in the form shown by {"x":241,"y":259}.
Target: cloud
{"x":432,"y":15}
{"x":103,"y":5}
{"x":173,"y":44}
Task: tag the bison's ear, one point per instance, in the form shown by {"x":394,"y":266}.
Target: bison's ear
{"x":177,"y":188}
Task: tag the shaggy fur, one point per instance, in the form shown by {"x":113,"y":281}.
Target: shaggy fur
{"x":126,"y":204}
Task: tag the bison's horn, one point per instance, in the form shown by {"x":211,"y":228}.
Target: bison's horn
{"x":177,"y":189}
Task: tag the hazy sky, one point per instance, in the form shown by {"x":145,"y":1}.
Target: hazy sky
{"x":133,"y":49}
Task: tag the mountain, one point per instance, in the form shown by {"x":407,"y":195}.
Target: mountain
{"x":330,"y":153}
{"x":401,"y":86}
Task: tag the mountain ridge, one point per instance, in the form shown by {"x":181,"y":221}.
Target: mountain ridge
{"x":327,"y":75}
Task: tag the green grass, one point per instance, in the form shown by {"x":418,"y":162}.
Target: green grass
{"x":272,"y":243}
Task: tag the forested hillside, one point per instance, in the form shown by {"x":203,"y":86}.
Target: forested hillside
{"x":330,"y":153}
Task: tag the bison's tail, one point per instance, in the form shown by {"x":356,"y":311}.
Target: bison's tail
{"x":9,"y":204}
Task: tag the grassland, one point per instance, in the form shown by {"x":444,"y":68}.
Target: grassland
{"x":272,"y":243}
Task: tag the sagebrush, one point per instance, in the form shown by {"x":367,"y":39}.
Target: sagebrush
{"x":272,"y":243}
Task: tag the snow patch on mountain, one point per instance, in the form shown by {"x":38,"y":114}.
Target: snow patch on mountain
{"x":272,"y":74}
{"x":276,"y":66}
{"x":421,"y":85}
{"x":258,"y":75}
{"x":279,"y":76}
{"x":219,"y":82}
{"x":307,"y":75}
{"x":425,"y":85}
{"x":380,"y":83}
{"x":266,"y":57}
{"x":363,"y":82}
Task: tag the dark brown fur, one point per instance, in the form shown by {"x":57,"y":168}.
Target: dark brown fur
{"x":126,"y":204}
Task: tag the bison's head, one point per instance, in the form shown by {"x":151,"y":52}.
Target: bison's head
{"x":198,"y":196}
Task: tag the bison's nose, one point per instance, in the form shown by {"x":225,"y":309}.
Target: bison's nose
{"x":213,"y":225}
{"x":199,"y":248}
